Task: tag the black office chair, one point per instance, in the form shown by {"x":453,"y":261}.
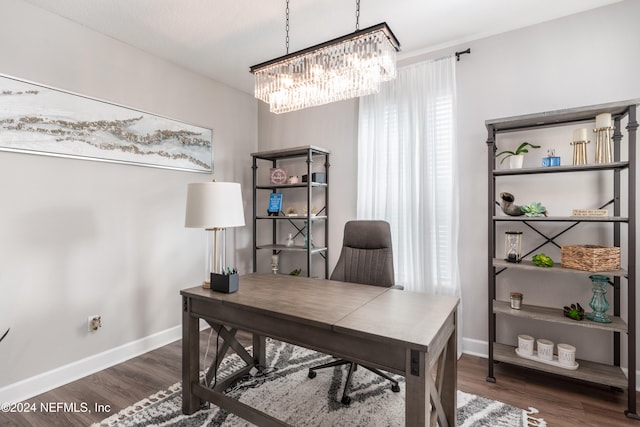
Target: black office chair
{"x":366,"y":258}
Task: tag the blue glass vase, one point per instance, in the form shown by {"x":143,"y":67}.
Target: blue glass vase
{"x":598,"y":301}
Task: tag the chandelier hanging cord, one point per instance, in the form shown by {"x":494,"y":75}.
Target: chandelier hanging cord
{"x":287,"y":27}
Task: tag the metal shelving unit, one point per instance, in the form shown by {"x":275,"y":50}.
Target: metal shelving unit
{"x":610,"y":375}
{"x":310,"y":154}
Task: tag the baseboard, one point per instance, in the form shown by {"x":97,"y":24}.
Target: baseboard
{"x":475,"y":347}
{"x":481,"y":349}
{"x":47,"y":381}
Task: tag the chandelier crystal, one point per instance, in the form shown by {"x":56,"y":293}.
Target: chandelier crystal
{"x":347,"y":67}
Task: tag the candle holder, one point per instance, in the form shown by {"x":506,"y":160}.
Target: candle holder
{"x":579,"y":152}
{"x":604,"y":147}
{"x":274,"y":263}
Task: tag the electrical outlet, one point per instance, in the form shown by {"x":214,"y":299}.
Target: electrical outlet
{"x":94,"y":322}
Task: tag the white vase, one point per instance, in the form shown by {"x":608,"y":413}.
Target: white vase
{"x":515,"y":162}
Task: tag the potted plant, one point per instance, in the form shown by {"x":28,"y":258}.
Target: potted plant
{"x":516,"y":158}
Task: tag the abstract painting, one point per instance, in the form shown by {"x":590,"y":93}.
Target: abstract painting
{"x":41,"y":120}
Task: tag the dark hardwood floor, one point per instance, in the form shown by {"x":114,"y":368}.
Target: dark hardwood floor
{"x":561,"y":402}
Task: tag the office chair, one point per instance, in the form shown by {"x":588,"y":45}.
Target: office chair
{"x":366,"y":258}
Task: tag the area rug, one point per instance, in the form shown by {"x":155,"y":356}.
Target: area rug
{"x":285,"y":391}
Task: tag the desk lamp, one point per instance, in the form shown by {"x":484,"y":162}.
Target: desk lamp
{"x":214,"y":206}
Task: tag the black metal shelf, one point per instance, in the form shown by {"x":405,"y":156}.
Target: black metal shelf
{"x":607,"y":374}
{"x":308,"y":154}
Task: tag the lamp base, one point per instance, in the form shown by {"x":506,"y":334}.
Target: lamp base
{"x":226,"y":283}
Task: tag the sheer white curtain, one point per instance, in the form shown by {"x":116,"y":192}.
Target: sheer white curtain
{"x":407,"y":173}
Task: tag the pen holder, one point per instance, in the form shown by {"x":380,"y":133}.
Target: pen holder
{"x":227,"y":283}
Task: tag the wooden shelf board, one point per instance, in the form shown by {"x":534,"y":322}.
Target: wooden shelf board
{"x":290,"y":152}
{"x":560,"y":169}
{"x":529,"y":265}
{"x":295,"y":218}
{"x":299,"y":185}
{"x":555,"y":315}
{"x":587,"y":371}
{"x":291,"y":248}
{"x":559,"y":117}
{"x":561,"y":218}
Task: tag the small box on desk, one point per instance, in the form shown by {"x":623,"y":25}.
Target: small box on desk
{"x":550,"y":161}
{"x":319,"y":177}
{"x":227,"y":283}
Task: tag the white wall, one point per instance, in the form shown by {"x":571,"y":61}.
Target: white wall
{"x":544,"y":67}
{"x":78,"y":237}
{"x":579,"y":60}
{"x":335,"y":128}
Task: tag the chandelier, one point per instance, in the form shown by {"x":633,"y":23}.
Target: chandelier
{"x":343,"y":68}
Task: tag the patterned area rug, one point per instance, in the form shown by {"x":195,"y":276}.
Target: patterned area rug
{"x":286,"y":392}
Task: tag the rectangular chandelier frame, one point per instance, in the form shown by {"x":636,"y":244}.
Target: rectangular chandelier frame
{"x":345,"y":67}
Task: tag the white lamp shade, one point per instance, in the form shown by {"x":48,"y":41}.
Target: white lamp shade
{"x":214,"y":205}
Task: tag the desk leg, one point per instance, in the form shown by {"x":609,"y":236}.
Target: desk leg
{"x":190,"y":356}
{"x":432,"y":401}
{"x":448,"y":393}
{"x":418,"y":389}
{"x":259,"y":350}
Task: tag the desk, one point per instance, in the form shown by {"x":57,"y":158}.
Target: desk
{"x":406,"y":333}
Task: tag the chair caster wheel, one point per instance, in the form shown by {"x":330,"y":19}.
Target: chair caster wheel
{"x":395,"y":388}
{"x":346,"y":400}
{"x":311,"y":374}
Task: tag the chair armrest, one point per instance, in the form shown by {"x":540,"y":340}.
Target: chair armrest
{"x":398,"y":287}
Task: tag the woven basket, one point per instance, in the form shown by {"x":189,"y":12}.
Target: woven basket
{"x":590,"y":257}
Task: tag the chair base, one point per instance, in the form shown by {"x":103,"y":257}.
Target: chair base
{"x":346,"y":400}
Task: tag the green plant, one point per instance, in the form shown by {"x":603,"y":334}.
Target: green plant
{"x":575,"y":312}
{"x":5,"y":334}
{"x":522,"y":148}
{"x":534,"y":209}
{"x":296,"y":272}
{"x":542,"y":260}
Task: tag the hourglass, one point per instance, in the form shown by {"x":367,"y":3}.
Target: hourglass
{"x":513,"y":246}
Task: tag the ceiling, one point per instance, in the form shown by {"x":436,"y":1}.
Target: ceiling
{"x":221,"y":39}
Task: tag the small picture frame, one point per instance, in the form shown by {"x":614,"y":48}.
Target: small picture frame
{"x":278,"y":176}
{"x":275,"y":204}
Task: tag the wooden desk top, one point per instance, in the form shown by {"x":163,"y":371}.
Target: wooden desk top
{"x":398,"y":316}
{"x":391,"y":315}
{"x":318,"y":302}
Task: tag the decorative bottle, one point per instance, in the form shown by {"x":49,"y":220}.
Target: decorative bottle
{"x":598,"y":301}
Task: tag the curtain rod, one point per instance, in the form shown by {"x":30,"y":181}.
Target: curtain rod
{"x":462,"y":52}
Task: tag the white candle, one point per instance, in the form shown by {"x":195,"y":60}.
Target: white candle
{"x":580,"y":134}
{"x":603,"y":120}
{"x":274,"y":259}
